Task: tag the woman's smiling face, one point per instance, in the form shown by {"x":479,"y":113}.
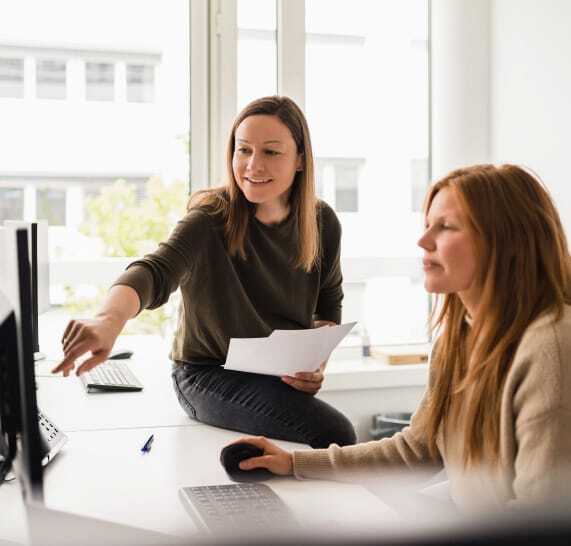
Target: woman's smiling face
{"x":265,"y":160}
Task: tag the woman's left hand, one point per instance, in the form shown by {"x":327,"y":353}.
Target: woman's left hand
{"x":309,"y":382}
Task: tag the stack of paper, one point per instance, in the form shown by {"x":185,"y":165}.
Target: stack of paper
{"x":285,"y":352}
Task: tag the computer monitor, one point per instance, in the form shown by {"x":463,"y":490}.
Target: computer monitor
{"x":18,"y":387}
{"x":39,"y":271}
{"x":9,"y":390}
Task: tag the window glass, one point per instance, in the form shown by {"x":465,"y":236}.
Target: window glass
{"x":99,"y":81}
{"x":257,"y":51}
{"x":50,"y":203}
{"x":140,"y":83}
{"x":11,"y":204}
{"x":11,"y":77}
{"x":122,"y":172}
{"x":50,"y":79}
{"x":367,"y":107}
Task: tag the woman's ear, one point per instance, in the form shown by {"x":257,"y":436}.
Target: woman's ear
{"x":299,"y":163}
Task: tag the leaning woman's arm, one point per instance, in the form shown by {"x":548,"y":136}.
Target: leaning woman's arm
{"x":160,"y":273}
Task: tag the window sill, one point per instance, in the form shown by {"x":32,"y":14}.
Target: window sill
{"x":367,"y":373}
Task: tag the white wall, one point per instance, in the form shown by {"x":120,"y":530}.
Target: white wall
{"x":501,"y":88}
{"x":531,"y":91}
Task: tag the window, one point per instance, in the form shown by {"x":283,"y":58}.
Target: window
{"x":257,"y":50}
{"x":360,"y":73}
{"x":11,"y":204}
{"x":140,"y":83}
{"x":11,"y":78}
{"x":91,"y":141}
{"x":362,"y":80}
{"x":50,"y":206}
{"x":99,"y":81}
{"x":366,"y":91}
{"x":337,"y":181}
{"x":50,"y":79}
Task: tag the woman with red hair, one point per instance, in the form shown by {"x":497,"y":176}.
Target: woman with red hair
{"x":497,"y":410}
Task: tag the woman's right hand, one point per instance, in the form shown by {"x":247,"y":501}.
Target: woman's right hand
{"x":95,"y":335}
{"x":276,"y":460}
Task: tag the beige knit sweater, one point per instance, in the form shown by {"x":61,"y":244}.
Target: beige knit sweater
{"x":535,"y":434}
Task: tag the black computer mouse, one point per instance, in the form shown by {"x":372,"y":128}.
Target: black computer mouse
{"x":231,"y":456}
{"x":120,"y":354}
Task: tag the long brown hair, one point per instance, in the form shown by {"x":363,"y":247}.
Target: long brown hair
{"x":236,"y":210}
{"x":524,"y":271}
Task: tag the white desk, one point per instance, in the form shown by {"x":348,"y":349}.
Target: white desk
{"x":66,"y":402}
{"x":103,"y":474}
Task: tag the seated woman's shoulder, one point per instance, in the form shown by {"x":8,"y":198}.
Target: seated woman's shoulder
{"x":548,"y":335}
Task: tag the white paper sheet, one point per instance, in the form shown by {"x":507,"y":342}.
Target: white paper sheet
{"x":285,"y":352}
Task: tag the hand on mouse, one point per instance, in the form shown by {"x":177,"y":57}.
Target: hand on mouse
{"x":276,"y":460}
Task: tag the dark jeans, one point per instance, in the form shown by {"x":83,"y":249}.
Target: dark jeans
{"x":258,"y":405}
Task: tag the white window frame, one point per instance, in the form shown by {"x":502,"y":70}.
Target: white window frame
{"x":213,"y":77}
{"x":291,"y":82}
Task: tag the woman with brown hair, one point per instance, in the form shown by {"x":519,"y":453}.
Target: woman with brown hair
{"x":497,"y":411}
{"x":258,"y":254}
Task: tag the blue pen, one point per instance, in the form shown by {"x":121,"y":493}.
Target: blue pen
{"x":147,"y":447}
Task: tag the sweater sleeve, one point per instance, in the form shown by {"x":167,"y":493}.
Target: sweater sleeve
{"x":330,"y":291}
{"x":542,"y":408}
{"x":407,"y":449}
{"x":159,"y":274}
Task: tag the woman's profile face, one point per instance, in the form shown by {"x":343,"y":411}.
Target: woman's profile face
{"x":449,"y":260}
{"x":265,"y":161}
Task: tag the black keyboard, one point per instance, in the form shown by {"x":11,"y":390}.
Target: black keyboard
{"x":239,"y":507}
{"x":110,"y":376}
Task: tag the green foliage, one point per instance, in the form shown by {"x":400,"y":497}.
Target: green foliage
{"x":158,"y":321}
{"x":129,"y":227}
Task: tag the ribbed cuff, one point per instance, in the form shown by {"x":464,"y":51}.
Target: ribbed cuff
{"x":312,"y":463}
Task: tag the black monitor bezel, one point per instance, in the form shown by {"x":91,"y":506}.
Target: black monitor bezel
{"x":30,"y":441}
{"x":10,"y":421}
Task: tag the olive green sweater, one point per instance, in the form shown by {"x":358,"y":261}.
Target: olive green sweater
{"x":535,"y":434}
{"x":225,"y":296}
